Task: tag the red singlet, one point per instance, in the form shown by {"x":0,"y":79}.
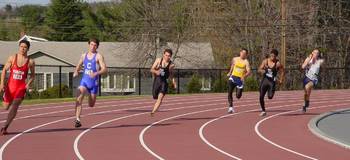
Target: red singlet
{"x":16,"y":85}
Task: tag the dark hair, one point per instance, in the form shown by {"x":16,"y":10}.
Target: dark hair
{"x":319,"y":53}
{"x":94,"y":40}
{"x":274,"y":51}
{"x":244,"y":49}
{"x":25,"y":42}
{"x":169,"y":51}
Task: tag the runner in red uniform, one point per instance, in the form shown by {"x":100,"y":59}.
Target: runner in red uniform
{"x":19,"y":65}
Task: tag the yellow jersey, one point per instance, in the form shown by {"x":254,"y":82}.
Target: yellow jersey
{"x":239,"y":69}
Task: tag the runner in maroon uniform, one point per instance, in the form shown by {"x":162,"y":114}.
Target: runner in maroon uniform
{"x":19,"y":64}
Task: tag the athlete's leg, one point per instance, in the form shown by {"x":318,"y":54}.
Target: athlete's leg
{"x":7,"y":99}
{"x":307,"y":93}
{"x":92,"y":100}
{"x":78,"y":103}
{"x":239,"y":88}
{"x":163,"y":91}
{"x":158,"y":103}
{"x":308,"y":88}
{"x":12,"y":114}
{"x":231,"y":86}
{"x":262,"y":91}
{"x":272,"y":89}
{"x":239,"y":92}
{"x":156,"y":88}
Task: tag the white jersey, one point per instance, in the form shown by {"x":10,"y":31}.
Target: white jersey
{"x":313,"y":69}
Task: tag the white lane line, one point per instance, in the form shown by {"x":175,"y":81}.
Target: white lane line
{"x":141,"y":136}
{"x":257,"y":131}
{"x":96,"y":113}
{"x":70,"y":104}
{"x":201,"y":130}
{"x":76,"y":142}
{"x":100,"y":107}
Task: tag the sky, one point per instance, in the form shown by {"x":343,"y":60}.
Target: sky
{"x":39,"y":2}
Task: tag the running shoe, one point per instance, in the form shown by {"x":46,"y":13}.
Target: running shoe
{"x":230,"y":110}
{"x":304,"y":109}
{"x":263,"y":114}
{"x":3,"y":131}
{"x":77,"y":124}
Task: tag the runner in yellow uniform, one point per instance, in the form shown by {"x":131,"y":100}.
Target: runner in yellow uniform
{"x":240,"y":69}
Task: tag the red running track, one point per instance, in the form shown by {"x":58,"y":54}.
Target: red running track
{"x":187,"y":127}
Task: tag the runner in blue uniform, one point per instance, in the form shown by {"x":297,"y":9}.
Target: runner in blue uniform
{"x":94,"y":65}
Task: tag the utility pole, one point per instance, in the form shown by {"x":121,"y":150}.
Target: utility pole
{"x":283,"y":34}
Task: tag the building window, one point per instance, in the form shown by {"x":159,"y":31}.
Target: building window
{"x":118,"y":83}
{"x":39,"y":82}
{"x":206,"y":84}
{"x":49,"y":80}
{"x":105,"y":81}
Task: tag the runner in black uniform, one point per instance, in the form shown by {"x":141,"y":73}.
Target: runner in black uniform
{"x":269,"y":68}
{"x":162,"y":70}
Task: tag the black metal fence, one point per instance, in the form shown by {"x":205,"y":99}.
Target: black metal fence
{"x":58,"y":81}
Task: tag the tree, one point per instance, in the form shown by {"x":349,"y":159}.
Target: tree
{"x":64,"y":20}
{"x":32,"y":16}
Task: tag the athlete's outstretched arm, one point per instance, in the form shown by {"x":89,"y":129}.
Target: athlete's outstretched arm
{"x":261,"y":68}
{"x":171,"y":76}
{"x":231,"y":68}
{"x":7,"y":66}
{"x":79,"y":65}
{"x":154,"y":68}
{"x":32,"y":73}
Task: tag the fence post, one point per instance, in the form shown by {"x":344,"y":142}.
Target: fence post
{"x":220,"y":81}
{"x":178,"y":81}
{"x":139,"y":81}
{"x":60,"y":81}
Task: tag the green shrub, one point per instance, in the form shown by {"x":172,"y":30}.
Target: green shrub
{"x":220,"y":85}
{"x":251,"y":84}
{"x":52,"y":92}
{"x":32,"y":95}
{"x":194,"y":86}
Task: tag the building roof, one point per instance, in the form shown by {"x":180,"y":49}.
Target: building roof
{"x":116,"y":54}
{"x":32,"y":39}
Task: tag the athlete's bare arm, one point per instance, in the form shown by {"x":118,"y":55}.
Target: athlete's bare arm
{"x":247,"y":67}
{"x":79,"y":65}
{"x":7,"y":66}
{"x":154,"y":68}
{"x":231,"y":68}
{"x":101,"y":62}
{"x":262,"y":66}
{"x":171,"y":76}
{"x":32,"y":73}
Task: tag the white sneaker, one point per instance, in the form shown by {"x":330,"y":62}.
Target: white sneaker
{"x":263,"y":114}
{"x":230,"y":110}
